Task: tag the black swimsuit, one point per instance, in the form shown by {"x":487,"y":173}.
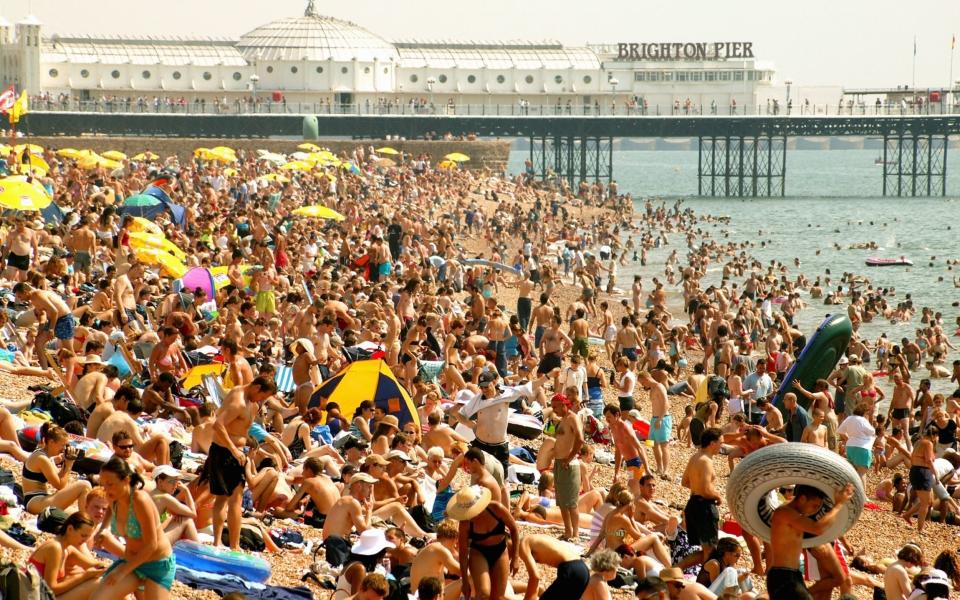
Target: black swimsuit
{"x":493,"y":552}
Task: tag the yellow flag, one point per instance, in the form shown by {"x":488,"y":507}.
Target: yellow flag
{"x":19,"y":108}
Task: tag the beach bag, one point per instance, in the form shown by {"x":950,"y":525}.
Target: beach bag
{"x":322,"y":434}
{"x":61,"y":410}
{"x":717,"y":389}
{"x":23,"y":584}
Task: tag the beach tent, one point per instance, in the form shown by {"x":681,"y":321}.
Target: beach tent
{"x":151,"y":202}
{"x":197,"y":277}
{"x":367,"y":380}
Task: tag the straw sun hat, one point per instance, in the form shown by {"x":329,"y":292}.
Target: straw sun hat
{"x":469,"y":502}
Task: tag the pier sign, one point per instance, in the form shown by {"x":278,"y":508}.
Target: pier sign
{"x":684,"y":50}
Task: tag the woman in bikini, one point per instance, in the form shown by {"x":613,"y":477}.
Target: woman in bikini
{"x":176,"y":505}
{"x":148,"y":560}
{"x":40,"y":471}
{"x":69,"y":572}
{"x":623,"y":535}
{"x":166,"y":356}
{"x":485,"y":566}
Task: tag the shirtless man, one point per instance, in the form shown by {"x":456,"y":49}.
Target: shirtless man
{"x":702,"y":512}
{"x":566,"y":466}
{"x":315,"y":486}
{"x":787,"y":528}
{"x":83,"y":243}
{"x":901,"y":406}
{"x":91,"y":389}
{"x":158,"y":400}
{"x":353,"y":511}
{"x":439,"y":560}
{"x":636,"y":291}
{"x":580,"y":334}
{"x":816,"y":432}
{"x":21,"y":250}
{"x":774,"y":417}
{"x":629,"y":342}
{"x":156,"y":449}
{"x":306,"y":376}
{"x":239,"y":373}
{"x":58,"y":320}
{"x":440,"y":435}
{"x":627,"y":448}
{"x":124,"y":299}
{"x":821,"y":399}
{"x":646,"y":509}
{"x":542,"y":317}
{"x":553,"y":345}
{"x":224,"y":465}
{"x":524,"y":301}
{"x":202,"y":434}
{"x":572,"y":573}
{"x":661,"y":423}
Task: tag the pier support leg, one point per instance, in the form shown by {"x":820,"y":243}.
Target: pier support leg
{"x":915,"y":165}
{"x":742,"y":166}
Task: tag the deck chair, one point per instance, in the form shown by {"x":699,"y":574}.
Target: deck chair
{"x":214,"y":388}
{"x":10,"y":335}
{"x":284,"y":379}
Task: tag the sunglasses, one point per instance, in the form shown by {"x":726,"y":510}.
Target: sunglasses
{"x":125,"y":447}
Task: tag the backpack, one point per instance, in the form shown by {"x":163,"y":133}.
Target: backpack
{"x":51,"y":520}
{"x":61,"y":410}
{"x":23,"y":584}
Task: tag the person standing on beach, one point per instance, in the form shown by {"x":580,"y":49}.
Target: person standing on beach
{"x":566,"y":466}
{"x":661,"y":423}
{"x":628,"y":450}
{"x":788,"y":526}
{"x":702,"y":512}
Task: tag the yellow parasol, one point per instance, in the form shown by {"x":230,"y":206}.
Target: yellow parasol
{"x":457,"y":157}
{"x":33,"y":148}
{"x":297,"y":165}
{"x":220,"y":279}
{"x":229,"y":172}
{"x":95,"y":161}
{"x":447,"y":164}
{"x":169,"y":264}
{"x":35,"y":171}
{"x":310,"y":147}
{"x":386,"y":150}
{"x":23,"y":193}
{"x":145,"y":156}
{"x":275,"y":177}
{"x":194,"y":376}
{"x":319,"y":211}
{"x":153,"y":240}
{"x":114,"y":155}
{"x":145,"y":226}
{"x":68,"y":152}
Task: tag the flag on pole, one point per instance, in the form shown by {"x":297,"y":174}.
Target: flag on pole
{"x":953,"y":42}
{"x":914,"y":45}
{"x":7,"y":98}
{"x":19,"y":108}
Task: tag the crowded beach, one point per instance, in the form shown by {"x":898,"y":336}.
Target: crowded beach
{"x":369,"y":374}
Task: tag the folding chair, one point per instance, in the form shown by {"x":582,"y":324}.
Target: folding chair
{"x":284,"y":379}
{"x":214,"y":388}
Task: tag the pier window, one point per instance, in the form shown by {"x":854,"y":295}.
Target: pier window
{"x":84,"y":73}
{"x":681,"y":75}
{"x":501,"y":78}
{"x":115,"y":74}
{"x":709,"y":76}
{"x":293,"y":69}
{"x":724,"y":75}
{"x":207,"y":76}
{"x":587,"y":79}
{"x":665,"y":76}
{"x":269,"y":69}
{"x":145,"y":74}
{"x":344,"y":70}
{"x":319,"y":70}
{"x":558,"y":78}
{"x":176,"y":75}
{"x":54,"y":72}
{"x":366,"y":70}
{"x":414,"y":78}
{"x":471,"y":78}
{"x":442,"y":79}
{"x":738,"y":75}
{"x":236,"y":75}
{"x":528,"y":79}
{"x":639,"y":76}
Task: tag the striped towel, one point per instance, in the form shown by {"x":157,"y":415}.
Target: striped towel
{"x":284,"y":379}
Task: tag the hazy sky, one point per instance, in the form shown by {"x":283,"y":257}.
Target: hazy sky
{"x":855,"y":43}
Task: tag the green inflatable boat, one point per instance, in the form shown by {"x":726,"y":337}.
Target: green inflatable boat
{"x":818,"y":358}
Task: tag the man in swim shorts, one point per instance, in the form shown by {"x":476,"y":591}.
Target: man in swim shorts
{"x":702,"y":512}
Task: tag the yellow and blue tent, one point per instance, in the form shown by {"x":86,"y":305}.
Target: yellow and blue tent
{"x":367,"y":380}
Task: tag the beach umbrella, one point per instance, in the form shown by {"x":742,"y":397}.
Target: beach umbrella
{"x":225,"y":150}
{"x":145,"y":156}
{"x":319,"y":211}
{"x":141,"y":200}
{"x":386,"y":150}
{"x":367,"y":380}
{"x":32,"y":148}
{"x":275,"y":177}
{"x":23,"y":193}
{"x":309,"y":147}
{"x":447,"y":164}
{"x":146,"y":226}
{"x":64,"y":152}
{"x":349,"y":166}
{"x":297,"y":165}
{"x":114,"y":155}
{"x":95,"y":161}
{"x":220,"y":279}
{"x":229,"y":172}
{"x":168,"y":263}
{"x":299,"y":156}
{"x":139,"y":238}
{"x":32,"y":170}
{"x":457,"y":157}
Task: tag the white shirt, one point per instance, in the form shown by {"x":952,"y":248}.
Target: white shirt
{"x":631,"y":379}
{"x":860,"y":433}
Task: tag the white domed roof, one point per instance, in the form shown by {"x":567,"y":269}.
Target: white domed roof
{"x":314,"y":37}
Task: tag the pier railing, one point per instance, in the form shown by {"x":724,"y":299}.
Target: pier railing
{"x":596,"y":109}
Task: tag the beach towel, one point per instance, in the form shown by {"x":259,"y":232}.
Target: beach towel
{"x":224,"y":584}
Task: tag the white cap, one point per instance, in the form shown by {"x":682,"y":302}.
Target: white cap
{"x":166,"y":471}
{"x":844,"y":360}
{"x":398,"y":454}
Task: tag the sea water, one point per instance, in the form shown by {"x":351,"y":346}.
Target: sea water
{"x":834,"y":199}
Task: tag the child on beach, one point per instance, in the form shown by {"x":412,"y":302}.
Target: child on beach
{"x":683,"y":429}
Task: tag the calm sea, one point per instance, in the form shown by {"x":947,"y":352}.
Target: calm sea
{"x":834,"y":199}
